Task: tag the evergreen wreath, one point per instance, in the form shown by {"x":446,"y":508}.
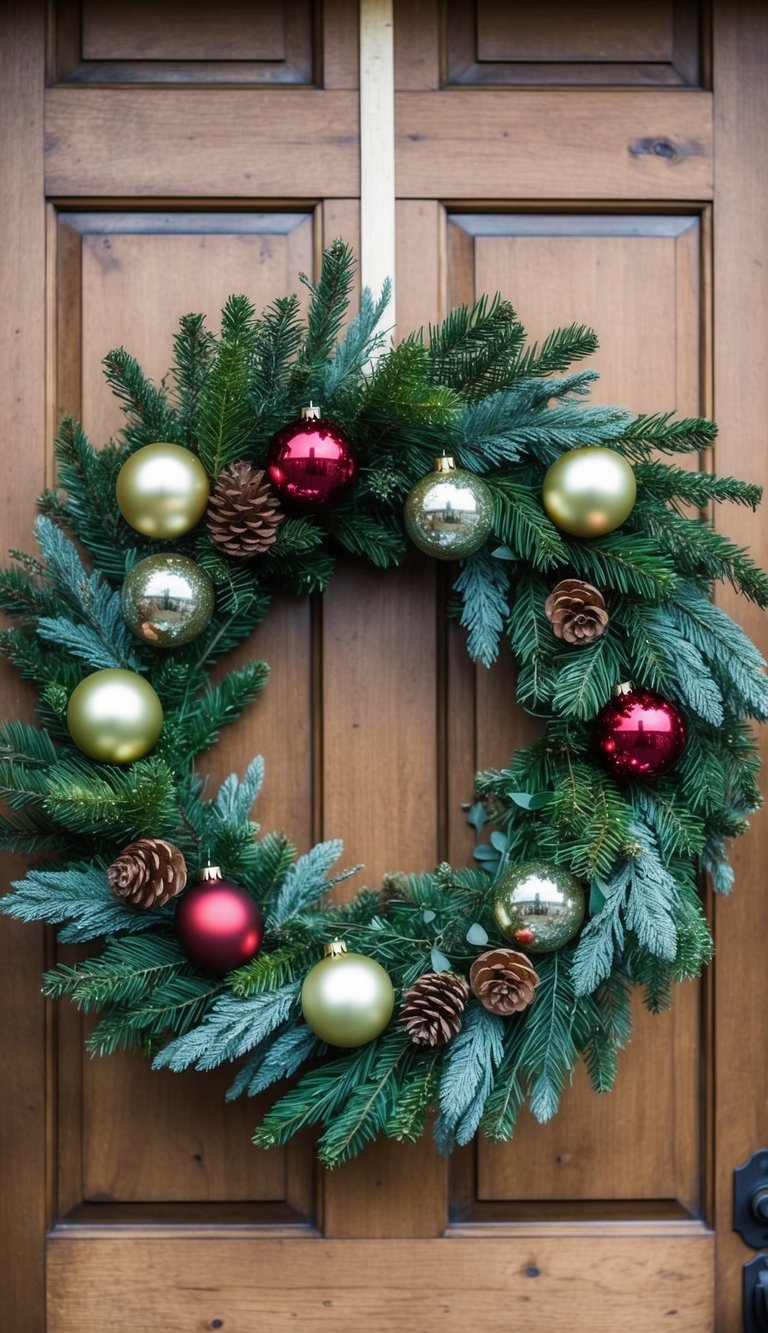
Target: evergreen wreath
{"x":478,"y":1027}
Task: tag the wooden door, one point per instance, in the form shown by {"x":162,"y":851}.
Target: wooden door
{"x":598,"y":163}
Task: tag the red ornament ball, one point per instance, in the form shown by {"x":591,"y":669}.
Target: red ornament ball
{"x":639,"y":734}
{"x":218,"y":925}
{"x":311,"y":463}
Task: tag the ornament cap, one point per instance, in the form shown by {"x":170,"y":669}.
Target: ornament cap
{"x":625,"y":687}
{"x":334,"y":949}
{"x":310,"y":412}
{"x":445,"y":463}
{"x":210,"y":873}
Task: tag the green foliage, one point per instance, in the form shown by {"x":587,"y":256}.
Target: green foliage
{"x":472,"y":386}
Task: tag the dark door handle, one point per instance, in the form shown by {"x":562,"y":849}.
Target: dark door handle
{"x":761,"y":1301}
{"x":756,"y":1295}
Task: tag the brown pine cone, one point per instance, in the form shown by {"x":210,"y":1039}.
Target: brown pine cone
{"x":576,"y":611}
{"x":148,"y":873}
{"x":433,"y":1008}
{"x":243,"y":512}
{"x":503,"y":980}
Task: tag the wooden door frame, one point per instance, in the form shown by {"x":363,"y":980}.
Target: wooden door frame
{"x":740,"y":1004}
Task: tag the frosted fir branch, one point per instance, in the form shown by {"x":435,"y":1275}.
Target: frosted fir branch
{"x":738,"y":664}
{"x":231,"y":1028}
{"x":80,"y":896}
{"x":306,"y":881}
{"x":276,"y":1060}
{"x":483,"y":585}
{"x":104,"y":639}
{"x":235,"y":798}
{"x":361,"y":341}
{"x":689,"y":679}
{"x":469,"y":1064}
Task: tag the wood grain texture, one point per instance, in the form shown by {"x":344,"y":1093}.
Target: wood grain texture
{"x":741,"y":401}
{"x":442,"y":1286}
{"x":300,"y":143}
{"x":175,"y":42}
{"x":635,"y":279}
{"x":25,"y":1149}
{"x":476,"y":144}
{"x":127,"y":1134}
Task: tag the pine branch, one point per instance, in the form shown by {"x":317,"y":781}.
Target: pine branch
{"x":483,"y":585}
{"x":281,"y":1058}
{"x":224,"y":411}
{"x":305,"y":882}
{"x":149,"y":414}
{"x":469,"y":1064}
{"x":558,"y":351}
{"x":80,"y":896}
{"x":232,"y":1027}
{"x":519,"y":521}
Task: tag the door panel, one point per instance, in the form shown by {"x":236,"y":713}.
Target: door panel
{"x":566,"y":157}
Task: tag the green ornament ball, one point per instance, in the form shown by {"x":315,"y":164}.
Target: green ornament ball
{"x":167,"y":600}
{"x":347,"y":998}
{"x":538,"y":906}
{"x":162,"y":491}
{"x":114,"y":716}
{"x":589,"y":492}
{"x":448,"y":514}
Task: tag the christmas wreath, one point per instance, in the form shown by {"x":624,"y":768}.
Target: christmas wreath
{"x":466,"y":992}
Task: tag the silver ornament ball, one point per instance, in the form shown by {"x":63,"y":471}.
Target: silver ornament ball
{"x":167,"y":600}
{"x":539,"y":906}
{"x":448,"y":514}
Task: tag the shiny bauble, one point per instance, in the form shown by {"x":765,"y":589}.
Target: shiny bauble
{"x":448,"y":514}
{"x":588,"y":492}
{"x":162,"y":491}
{"x":538,"y":906}
{"x":114,"y":716}
{"x":218,"y":925}
{"x":639,"y":734}
{"x":311,"y":463}
{"x":167,"y":600}
{"x":347,"y":998}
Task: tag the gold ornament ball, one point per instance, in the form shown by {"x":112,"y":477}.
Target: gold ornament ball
{"x":538,"y":906}
{"x":588,"y":492}
{"x":162,"y":491}
{"x":167,"y":600}
{"x":347,"y":998}
{"x":448,"y":514}
{"x":114,"y":716}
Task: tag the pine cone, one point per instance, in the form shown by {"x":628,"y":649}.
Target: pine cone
{"x":243,"y":513}
{"x":503,"y":980}
{"x":433,"y":1007}
{"x":148,"y":873}
{"x":576,"y":611}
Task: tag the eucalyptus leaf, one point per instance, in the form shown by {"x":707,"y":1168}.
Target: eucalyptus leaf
{"x":477,"y":934}
{"x":532,"y":800}
{"x":428,"y":915}
{"x":439,"y":961}
{"x":499,"y":840}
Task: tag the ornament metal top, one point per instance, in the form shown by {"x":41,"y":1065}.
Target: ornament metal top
{"x":167,"y":600}
{"x":162,"y":490}
{"x":589,"y":492}
{"x":311,"y":463}
{"x":539,"y":906}
{"x":448,"y":514}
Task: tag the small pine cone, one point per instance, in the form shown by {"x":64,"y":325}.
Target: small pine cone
{"x":576,"y":611}
{"x":433,"y":1007}
{"x":394,"y":888}
{"x":504,"y":981}
{"x":243,"y":512}
{"x":148,"y":873}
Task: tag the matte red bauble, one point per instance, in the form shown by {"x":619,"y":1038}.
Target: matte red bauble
{"x":639,"y":734}
{"x":219,"y":926}
{"x":310,"y":462}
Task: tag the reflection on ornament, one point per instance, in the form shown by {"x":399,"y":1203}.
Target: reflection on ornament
{"x":347,"y":998}
{"x":311,"y":463}
{"x":639,"y":734}
{"x":218,"y":924}
{"x":167,"y":600}
{"x":539,"y":905}
{"x":589,"y":492}
{"x":448,"y":514}
{"x":115,"y":716}
{"x":162,"y":490}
